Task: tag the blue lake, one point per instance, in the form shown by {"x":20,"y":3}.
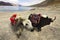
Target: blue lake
{"x":14,"y":8}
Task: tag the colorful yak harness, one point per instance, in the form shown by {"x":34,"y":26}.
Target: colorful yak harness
{"x":35,"y":18}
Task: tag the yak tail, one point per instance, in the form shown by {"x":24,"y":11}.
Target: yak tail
{"x":54,"y":19}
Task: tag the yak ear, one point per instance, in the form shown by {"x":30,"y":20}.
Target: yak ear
{"x":23,"y":23}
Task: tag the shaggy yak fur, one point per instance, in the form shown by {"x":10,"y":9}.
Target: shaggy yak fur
{"x":20,"y":24}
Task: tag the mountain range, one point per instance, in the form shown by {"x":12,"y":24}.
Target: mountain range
{"x":2,"y":3}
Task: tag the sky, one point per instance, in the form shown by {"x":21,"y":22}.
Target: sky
{"x":29,"y":2}
{"x":24,"y":2}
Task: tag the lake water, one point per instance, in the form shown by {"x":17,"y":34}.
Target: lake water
{"x":14,"y":8}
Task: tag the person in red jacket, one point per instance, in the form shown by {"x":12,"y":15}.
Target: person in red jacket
{"x":12,"y":19}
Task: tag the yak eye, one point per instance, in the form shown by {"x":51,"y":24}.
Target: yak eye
{"x":26,"y":24}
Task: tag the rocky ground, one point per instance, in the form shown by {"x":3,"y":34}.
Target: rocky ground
{"x":48,"y":32}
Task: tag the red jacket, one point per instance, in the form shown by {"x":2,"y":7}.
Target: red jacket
{"x":12,"y":18}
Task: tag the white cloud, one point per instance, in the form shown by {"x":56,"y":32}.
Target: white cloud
{"x":11,"y":1}
{"x":32,"y":2}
